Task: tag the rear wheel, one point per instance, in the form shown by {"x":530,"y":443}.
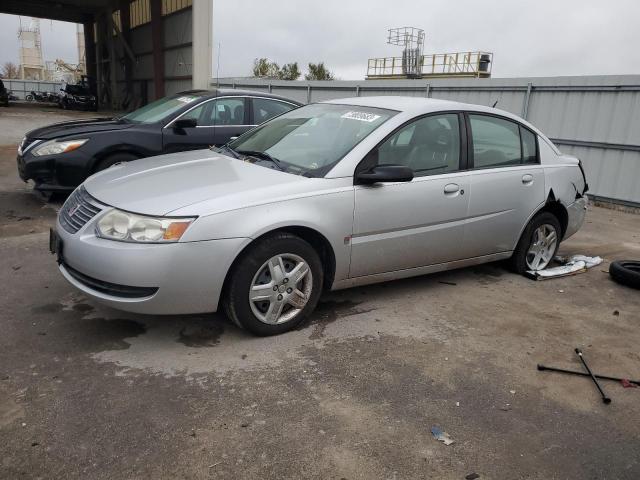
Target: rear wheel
{"x":275,"y":285}
{"x":538,"y":244}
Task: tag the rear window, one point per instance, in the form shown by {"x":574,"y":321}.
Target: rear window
{"x":77,"y":90}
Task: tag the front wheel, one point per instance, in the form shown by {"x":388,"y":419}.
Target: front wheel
{"x":29,"y":98}
{"x":112,"y":160}
{"x":538,"y":244}
{"x":275,"y":285}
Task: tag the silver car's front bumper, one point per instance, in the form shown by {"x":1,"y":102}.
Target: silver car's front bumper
{"x":173,"y":278}
{"x":576,"y":213}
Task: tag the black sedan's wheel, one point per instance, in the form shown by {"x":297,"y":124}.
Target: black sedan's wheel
{"x":626,"y":272}
{"x":112,"y":160}
{"x":538,"y":244}
{"x":275,"y":285}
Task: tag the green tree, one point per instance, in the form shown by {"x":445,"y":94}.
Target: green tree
{"x":263,"y":68}
{"x":289,"y":71}
{"x":317,"y":71}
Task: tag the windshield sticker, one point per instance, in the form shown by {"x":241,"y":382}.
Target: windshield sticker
{"x":186,"y":99}
{"x":361,"y":116}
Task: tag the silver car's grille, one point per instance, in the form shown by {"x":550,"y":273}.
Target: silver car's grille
{"x":79,"y":208}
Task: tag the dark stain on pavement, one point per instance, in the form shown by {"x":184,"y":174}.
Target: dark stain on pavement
{"x":83,"y":308}
{"x":329,"y":311}
{"x":96,"y":334}
{"x":201,"y":335}
{"x":47,"y":308}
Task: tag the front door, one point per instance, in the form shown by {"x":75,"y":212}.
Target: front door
{"x":405,"y":225}
{"x":217,"y":121}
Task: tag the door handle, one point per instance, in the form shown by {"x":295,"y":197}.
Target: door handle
{"x":451,"y":188}
{"x":527,"y":179}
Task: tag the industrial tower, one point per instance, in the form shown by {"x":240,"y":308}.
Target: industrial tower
{"x":31,"y":61}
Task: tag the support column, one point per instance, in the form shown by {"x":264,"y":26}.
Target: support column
{"x":113,"y":61}
{"x":125,"y":20}
{"x":90,"y":51}
{"x":202,"y":51}
{"x":157,"y":37}
{"x":100,"y":27}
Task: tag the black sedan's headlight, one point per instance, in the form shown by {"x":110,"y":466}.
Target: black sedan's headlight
{"x":54,"y":147}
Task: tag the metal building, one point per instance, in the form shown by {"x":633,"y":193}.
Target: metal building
{"x":135,"y":50}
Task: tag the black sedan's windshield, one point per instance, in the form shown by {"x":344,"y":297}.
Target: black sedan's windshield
{"x":312,"y":139}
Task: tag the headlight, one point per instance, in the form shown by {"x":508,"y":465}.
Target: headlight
{"x":53,"y":147}
{"x":129,"y":227}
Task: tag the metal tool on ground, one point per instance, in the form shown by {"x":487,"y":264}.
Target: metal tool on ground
{"x":585,"y":374}
{"x":605,"y":399}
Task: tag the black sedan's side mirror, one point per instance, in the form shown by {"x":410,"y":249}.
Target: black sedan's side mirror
{"x":385,"y":173}
{"x":183,"y":123}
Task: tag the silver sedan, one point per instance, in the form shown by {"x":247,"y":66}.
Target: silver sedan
{"x":328,"y":196}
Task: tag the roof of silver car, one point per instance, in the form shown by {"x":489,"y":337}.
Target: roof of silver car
{"x":409,"y":104}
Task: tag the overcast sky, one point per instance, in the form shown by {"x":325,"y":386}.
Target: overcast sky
{"x":528,"y":38}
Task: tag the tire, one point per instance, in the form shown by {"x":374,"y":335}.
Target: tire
{"x":518,"y":261}
{"x":251,"y":272}
{"x":626,"y":272}
{"x":29,"y":98}
{"x":112,"y":160}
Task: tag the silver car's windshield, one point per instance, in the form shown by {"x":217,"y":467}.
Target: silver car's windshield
{"x":160,"y":109}
{"x":312,"y":139}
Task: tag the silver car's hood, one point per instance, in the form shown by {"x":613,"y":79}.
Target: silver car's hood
{"x":191,"y":182}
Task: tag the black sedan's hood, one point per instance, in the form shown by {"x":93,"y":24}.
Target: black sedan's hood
{"x":77,"y":127}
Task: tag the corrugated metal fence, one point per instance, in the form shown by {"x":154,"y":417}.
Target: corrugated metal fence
{"x":596,"y":118}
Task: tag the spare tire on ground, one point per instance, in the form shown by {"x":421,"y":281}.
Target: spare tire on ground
{"x":626,"y":272}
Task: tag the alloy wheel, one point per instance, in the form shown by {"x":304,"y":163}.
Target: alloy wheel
{"x":543,"y":246}
{"x":280,"y":289}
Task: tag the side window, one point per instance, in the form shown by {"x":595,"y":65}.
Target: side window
{"x":225,"y":111}
{"x":498,"y":142}
{"x":429,"y":146}
{"x":529,"y":146}
{"x":196,"y":113}
{"x":264,"y":109}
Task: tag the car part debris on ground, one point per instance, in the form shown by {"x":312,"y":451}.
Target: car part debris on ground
{"x":626,"y":383}
{"x":570,"y":266}
{"x":605,"y":399}
{"x":441,"y":436}
{"x":626,"y":272}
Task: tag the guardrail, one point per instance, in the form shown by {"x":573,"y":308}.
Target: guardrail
{"x":458,"y":64}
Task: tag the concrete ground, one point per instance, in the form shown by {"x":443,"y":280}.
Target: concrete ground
{"x":90,"y":392}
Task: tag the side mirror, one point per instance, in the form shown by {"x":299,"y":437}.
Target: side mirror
{"x":385,"y":173}
{"x":185,"y":123}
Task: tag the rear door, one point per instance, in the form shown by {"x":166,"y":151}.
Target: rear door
{"x":507,"y":183}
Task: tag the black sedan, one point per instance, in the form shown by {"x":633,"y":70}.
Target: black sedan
{"x":61,"y":156}
{"x":4,"y":95}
